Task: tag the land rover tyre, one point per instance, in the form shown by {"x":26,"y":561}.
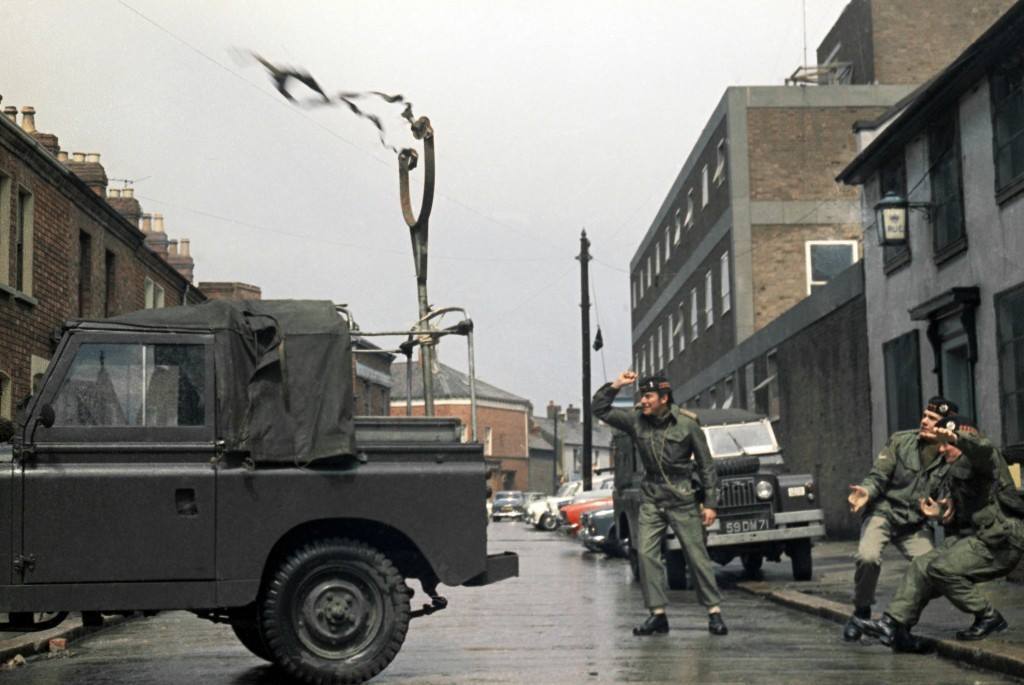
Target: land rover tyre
{"x":548,"y":522}
{"x":800,"y":554}
{"x":752,"y":564}
{"x":334,"y":611}
{"x":246,"y":627}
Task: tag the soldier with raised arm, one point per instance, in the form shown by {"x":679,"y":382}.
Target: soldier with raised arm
{"x":675,"y":454}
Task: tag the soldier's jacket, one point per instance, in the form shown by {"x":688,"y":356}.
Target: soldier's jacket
{"x":673,"y":445}
{"x":904,"y":472}
{"x":985,"y":498}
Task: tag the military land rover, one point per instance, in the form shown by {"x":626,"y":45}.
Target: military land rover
{"x":763,"y":511}
{"x":206,"y":458}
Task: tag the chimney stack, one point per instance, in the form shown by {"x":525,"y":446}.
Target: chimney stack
{"x":553,"y":409}
{"x":11,"y":112}
{"x":183,"y":248}
{"x":28,"y":119}
{"x":147,"y":223}
{"x":572,"y":414}
{"x":87,"y":167}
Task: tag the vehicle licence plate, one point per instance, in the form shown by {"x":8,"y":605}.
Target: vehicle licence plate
{"x":747,"y":525}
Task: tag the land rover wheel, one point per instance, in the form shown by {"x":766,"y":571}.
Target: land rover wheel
{"x":752,"y":564}
{"x":548,"y":522}
{"x":800,"y":554}
{"x":247,"y":630}
{"x":335,"y":611}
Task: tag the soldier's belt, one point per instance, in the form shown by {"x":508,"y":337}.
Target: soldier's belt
{"x":672,"y":478}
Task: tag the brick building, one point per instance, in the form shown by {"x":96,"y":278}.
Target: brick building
{"x":65,"y":252}
{"x":503,"y":419}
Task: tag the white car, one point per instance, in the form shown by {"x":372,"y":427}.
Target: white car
{"x":543,"y":513}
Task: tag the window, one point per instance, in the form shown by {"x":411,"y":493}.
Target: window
{"x":956,"y":377}
{"x":649,"y":272}
{"x":902,"y":382}
{"x":826,"y":259}
{"x":22,"y":243}
{"x":659,"y":357}
{"x":728,"y":394}
{"x":771,"y":361}
{"x":634,"y":294}
{"x":1007,"y":89}
{"x":657,"y":256}
{"x":680,"y":330}
{"x":720,"y":163}
{"x":84,"y":273}
{"x":704,"y":190}
{"x":688,"y":219}
{"x":694,"y":327}
{"x":5,"y":229}
{"x":154,"y":295}
{"x":948,"y":235}
{"x":133,"y":385}
{"x":668,"y":243}
{"x":650,"y":357}
{"x":655,"y":356}
{"x":678,"y":225}
{"x":750,"y":383}
{"x":5,"y":396}
{"x":1010,"y":337}
{"x":724,"y":280}
{"x":640,"y":280}
{"x":488,"y":441}
{"x":671,"y":338}
{"x":892,"y":178}
{"x":709,"y":300}
{"x":109,"y":283}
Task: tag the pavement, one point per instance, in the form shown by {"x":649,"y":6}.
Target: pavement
{"x":14,"y":644}
{"x":828,"y":595}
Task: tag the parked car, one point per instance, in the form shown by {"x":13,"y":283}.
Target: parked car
{"x":508,"y":504}
{"x":569,"y":514}
{"x":597,"y":531}
{"x":538,"y":512}
{"x":763,"y":510}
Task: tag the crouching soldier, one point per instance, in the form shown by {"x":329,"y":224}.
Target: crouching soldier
{"x":669,"y":440}
{"x":888,"y":500}
{"x":985,"y":541}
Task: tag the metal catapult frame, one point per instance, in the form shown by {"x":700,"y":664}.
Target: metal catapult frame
{"x":424,"y":333}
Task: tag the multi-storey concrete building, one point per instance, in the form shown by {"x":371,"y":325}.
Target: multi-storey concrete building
{"x":945,"y":310}
{"x":65,"y":252}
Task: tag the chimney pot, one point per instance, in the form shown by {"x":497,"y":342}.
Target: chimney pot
{"x":172,"y":248}
{"x":28,"y":119}
{"x":113,"y":192}
{"x":62,"y":156}
{"x":158,"y":223}
{"x":11,"y":112}
{"x":183,"y":248}
{"x":91,"y":157}
{"x":147,"y":223}
{"x":78,"y":157}
{"x":128,"y":192}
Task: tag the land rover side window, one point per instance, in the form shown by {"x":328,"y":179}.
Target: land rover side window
{"x":131,"y":385}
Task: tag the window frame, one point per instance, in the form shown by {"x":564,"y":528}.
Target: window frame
{"x":680,"y":333}
{"x":57,"y":374}
{"x":1006,"y":188}
{"x":23,"y":242}
{"x":724,"y":283}
{"x":705,"y":187}
{"x":694,"y":314}
{"x":6,"y":188}
{"x":808,"y":264}
{"x":709,"y":298}
{"x":958,"y":244}
{"x":893,"y":404}
{"x":1001,"y":342}
{"x":690,"y":209}
{"x":678,"y":225}
{"x":719,"y":175}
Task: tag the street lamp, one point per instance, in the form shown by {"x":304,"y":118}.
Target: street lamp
{"x":892,"y":221}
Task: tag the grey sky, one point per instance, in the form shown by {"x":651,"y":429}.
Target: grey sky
{"x":549,"y":116}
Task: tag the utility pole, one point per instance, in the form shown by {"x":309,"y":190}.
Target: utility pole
{"x":588,"y":451}
{"x":554,"y":459}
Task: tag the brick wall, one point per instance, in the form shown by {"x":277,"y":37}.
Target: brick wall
{"x":914,"y":39}
{"x":779,"y":260}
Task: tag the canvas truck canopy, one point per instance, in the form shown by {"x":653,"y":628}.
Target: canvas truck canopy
{"x":283,"y":373}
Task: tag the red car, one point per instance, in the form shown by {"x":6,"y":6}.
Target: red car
{"x":570,"y":513}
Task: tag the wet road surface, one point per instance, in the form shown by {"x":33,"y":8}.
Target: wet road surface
{"x":566,"y":619}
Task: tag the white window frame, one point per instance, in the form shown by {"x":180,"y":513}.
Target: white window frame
{"x":150,"y":293}
{"x":678,"y":225}
{"x":719,"y":175}
{"x":709,"y":299}
{"x":25,"y":218}
{"x":634,"y":298}
{"x":726,"y":286}
{"x":650,"y":272}
{"x":668,"y":242}
{"x":650,"y":355}
{"x":660,"y":356}
{"x":694,"y":315}
{"x":671,"y":337}
{"x":657,"y":256}
{"x":705,"y":188}
{"x":680,"y":330}
{"x":810,"y":244}
{"x":688,"y":218}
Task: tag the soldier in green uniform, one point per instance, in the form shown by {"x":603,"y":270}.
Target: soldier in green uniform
{"x":669,"y":439}
{"x":888,"y":500}
{"x":985,"y":541}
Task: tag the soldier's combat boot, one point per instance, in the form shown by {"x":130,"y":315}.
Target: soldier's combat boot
{"x":987,"y":622}
{"x":716,"y":626}
{"x":655,"y":623}
{"x":892,"y":633}
{"x":851,"y":633}
{"x":882,"y":630}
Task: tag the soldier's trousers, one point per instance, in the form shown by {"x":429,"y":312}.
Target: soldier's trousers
{"x":875,"y":533}
{"x":954,"y":570}
{"x":686,"y":522}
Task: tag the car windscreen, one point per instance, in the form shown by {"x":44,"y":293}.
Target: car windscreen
{"x":566,"y":489}
{"x":509,"y":495}
{"x":739,"y":439}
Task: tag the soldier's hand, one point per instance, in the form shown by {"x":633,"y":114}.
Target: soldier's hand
{"x":708,"y":516}
{"x":943,"y":435}
{"x":930,"y":507}
{"x":858,"y":498}
{"x":625,"y":378}
{"x":947,"y":510}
